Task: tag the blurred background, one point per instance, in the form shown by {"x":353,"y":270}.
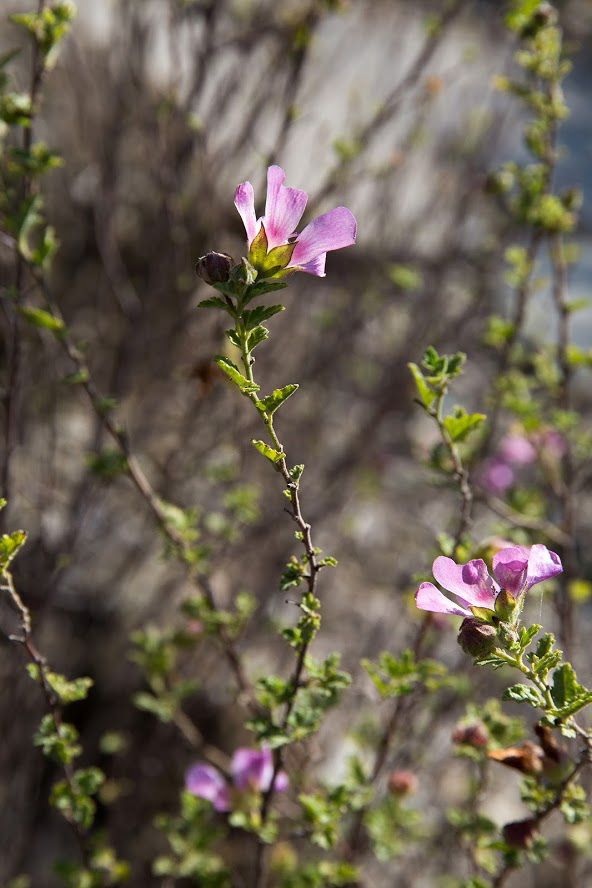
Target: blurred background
{"x":159,"y":109}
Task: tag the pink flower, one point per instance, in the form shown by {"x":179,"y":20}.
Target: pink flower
{"x":250,"y":769}
{"x":517,"y":450}
{"x":496,"y":475}
{"x":515,"y":569}
{"x":284,"y":207}
{"x":208,"y":783}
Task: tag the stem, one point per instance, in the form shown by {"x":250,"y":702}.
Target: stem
{"x":461,"y":474}
{"x":564,"y":602}
{"x":311,"y":580}
{"x":53,"y":701}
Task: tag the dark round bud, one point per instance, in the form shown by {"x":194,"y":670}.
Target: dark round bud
{"x":476,"y":638}
{"x":521,"y":833}
{"x":214,"y":268}
{"x":402,"y":782}
{"x":474,"y":734}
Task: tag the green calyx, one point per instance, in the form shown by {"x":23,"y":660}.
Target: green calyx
{"x":269,"y":263}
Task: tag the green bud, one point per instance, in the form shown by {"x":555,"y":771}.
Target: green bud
{"x":476,"y":638}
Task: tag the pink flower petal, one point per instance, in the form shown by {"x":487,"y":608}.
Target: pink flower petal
{"x":509,"y":568}
{"x":283,"y":208}
{"x":208,"y":783}
{"x":469,"y":582}
{"x":244,"y":201}
{"x":331,"y":231}
{"x":252,"y":767}
{"x":542,"y":565}
{"x":429,"y":598}
{"x":316,"y":266}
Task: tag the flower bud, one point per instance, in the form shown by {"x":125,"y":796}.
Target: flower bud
{"x":477,"y":638}
{"x":214,"y":268}
{"x":505,"y":606}
{"x":402,"y":782}
{"x":520,"y":833}
{"x":474,"y":734}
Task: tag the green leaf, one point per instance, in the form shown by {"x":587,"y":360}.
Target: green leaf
{"x":10,"y":543}
{"x":460,"y":423}
{"x":272,"y":455}
{"x":277,"y":398}
{"x":253,"y":317}
{"x":38,"y":317}
{"x":521,"y":693}
{"x":235,"y":375}
{"x":215,"y":302}
{"x":520,"y":13}
{"x":259,"y":334}
{"x":565,"y":686}
{"x":234,"y":338}
{"x":404,"y":276}
{"x":260,"y":288}
{"x":426,"y":395}
{"x":107,"y":464}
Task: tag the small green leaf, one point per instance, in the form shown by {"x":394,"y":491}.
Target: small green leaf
{"x":460,"y":423}
{"x":259,"y":334}
{"x":260,"y":288}
{"x":38,"y":317}
{"x":253,"y":317}
{"x":235,"y":375}
{"x":234,"y":338}
{"x":10,"y":543}
{"x":277,"y":398}
{"x":565,"y":685}
{"x":426,"y":395}
{"x":521,"y":693}
{"x":271,"y":454}
{"x":215,"y":302}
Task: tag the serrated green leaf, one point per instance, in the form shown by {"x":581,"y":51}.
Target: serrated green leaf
{"x":260,"y":288}
{"x":38,"y":317}
{"x":521,"y":693}
{"x":272,"y":455}
{"x":235,"y":375}
{"x":234,"y":338}
{"x":277,"y":397}
{"x":565,"y":686}
{"x":426,"y":395}
{"x":460,"y":423}
{"x":254,"y":317}
{"x":544,"y":645}
{"x":259,"y":334}
{"x":214,"y":302}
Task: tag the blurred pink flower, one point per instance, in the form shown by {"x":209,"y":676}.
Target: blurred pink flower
{"x":250,"y":769}
{"x":283,"y":210}
{"x":515,"y":569}
{"x":496,"y":476}
{"x":516,"y":450}
{"x":207,"y":782}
